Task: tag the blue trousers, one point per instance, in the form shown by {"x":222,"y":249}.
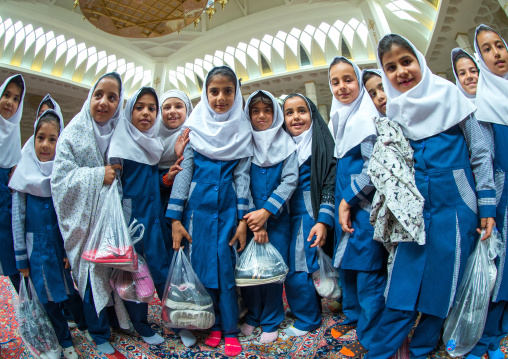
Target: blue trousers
{"x":393,"y":328}
{"x":225,"y":305}
{"x":363,"y":301}
{"x":265,"y":307}
{"x":303,"y":300}
{"x":98,"y":325}
{"x":16,"y":281}
{"x":496,"y":328}
{"x":138,"y":312}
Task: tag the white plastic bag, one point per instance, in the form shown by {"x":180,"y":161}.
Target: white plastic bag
{"x":260,"y":263}
{"x":34,"y":326}
{"x":326,"y":279}
{"x":134,"y":286}
{"x":186,"y":303}
{"x":466,"y":321}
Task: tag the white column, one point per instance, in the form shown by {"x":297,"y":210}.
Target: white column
{"x":376,"y":21}
{"x":463,"y":41}
{"x":323,"y":110}
{"x":504,"y":5}
{"x":310,"y":91}
{"x":160,"y":77}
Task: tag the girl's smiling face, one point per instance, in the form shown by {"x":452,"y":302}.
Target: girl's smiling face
{"x":374,"y":87}
{"x":493,"y":52}
{"x":105,"y":99}
{"x":174,"y":112}
{"x":221,"y":94}
{"x":402,"y":68}
{"x":297,"y":115}
{"x":345,"y":86}
{"x":261,"y":115}
{"x":9,"y":102}
{"x":467,"y":73}
{"x":45,"y":141}
{"x":144,"y":112}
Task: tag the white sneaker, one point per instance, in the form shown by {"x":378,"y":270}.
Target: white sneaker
{"x":87,"y":335}
{"x":70,"y":353}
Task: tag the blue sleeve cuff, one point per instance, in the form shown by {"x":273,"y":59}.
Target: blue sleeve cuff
{"x":242,"y":207}
{"x":274,"y":205}
{"x":21,"y":259}
{"x":487,"y":203}
{"x":327,"y":215}
{"x":175,"y":209}
{"x":350,"y":197}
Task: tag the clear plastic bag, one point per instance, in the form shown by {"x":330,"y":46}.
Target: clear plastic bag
{"x":260,"y":263}
{"x":34,"y":326}
{"x":186,"y":304}
{"x":326,"y":279}
{"x":134,"y":286}
{"x":466,"y":321}
{"x":111,"y":244}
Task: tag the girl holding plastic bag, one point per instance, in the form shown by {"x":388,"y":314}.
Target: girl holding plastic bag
{"x":312,"y":209}
{"x":274,"y":176}
{"x":79,"y":181}
{"x":37,"y":239}
{"x":210,"y":196}
{"x":491,"y":100}
{"x":136,"y":146}
{"x":448,"y":147}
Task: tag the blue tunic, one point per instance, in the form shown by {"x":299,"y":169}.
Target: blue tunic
{"x":142,"y":201}
{"x":44,"y":251}
{"x":426,"y":277}
{"x":361,"y":251}
{"x":7,"y":259}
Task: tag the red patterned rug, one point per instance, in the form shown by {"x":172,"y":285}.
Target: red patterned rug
{"x":317,"y":344}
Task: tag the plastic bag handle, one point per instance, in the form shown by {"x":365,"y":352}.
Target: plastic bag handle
{"x":133,"y":228}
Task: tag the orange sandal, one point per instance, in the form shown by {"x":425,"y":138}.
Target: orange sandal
{"x":341,"y":330}
{"x":353,"y":350}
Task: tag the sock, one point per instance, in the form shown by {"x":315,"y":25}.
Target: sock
{"x":213,"y":339}
{"x":268,"y":337}
{"x":154,"y":339}
{"x":233,"y":347}
{"x":496,"y":354}
{"x":471,"y":356}
{"x":188,"y":339}
{"x":106,"y":348}
{"x":247,"y":329}
{"x":293,"y":332}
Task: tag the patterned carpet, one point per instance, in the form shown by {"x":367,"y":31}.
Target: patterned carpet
{"x":317,"y":344}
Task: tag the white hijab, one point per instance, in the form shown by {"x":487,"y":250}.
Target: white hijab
{"x":10,"y":136}
{"x":434,"y":105}
{"x":170,"y":136}
{"x":129,"y":143}
{"x":31,"y":175}
{"x":379,"y":73}
{"x":303,"y":140}
{"x":456,"y":52}
{"x":354,"y":122}
{"x":224,"y":137}
{"x":272,"y":145}
{"x":491,"y":91}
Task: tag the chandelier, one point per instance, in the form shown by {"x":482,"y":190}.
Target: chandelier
{"x":145,"y":18}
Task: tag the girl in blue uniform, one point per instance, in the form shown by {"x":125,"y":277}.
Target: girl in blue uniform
{"x":312,"y":209}
{"x":210,"y":196}
{"x":37,"y":239}
{"x":491,"y":100}
{"x":448,"y":147}
{"x":273,"y":179}
{"x":373,"y":84}
{"x":136,"y":146}
{"x":360,"y":259}
{"x":11,"y":108}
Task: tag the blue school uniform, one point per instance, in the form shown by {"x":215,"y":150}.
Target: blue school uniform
{"x":362,"y":260}
{"x":301,"y":295}
{"x":39,"y":245}
{"x":209,"y":200}
{"x":264,"y":302}
{"x":7,"y":259}
{"x":425,"y":278}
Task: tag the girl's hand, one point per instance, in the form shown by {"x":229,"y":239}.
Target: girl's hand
{"x":67,"y":265}
{"x":178,"y":232}
{"x":110,"y":173}
{"x":256,"y":219}
{"x":487,"y":224}
{"x":319,"y":230}
{"x":25,"y":272}
{"x":261,"y":236}
{"x":345,"y":216}
{"x":173,"y":170}
{"x":181,"y":142}
{"x":240,"y":235}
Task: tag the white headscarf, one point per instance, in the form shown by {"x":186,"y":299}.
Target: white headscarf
{"x":31,"y":175}
{"x":10,"y":136}
{"x":272,"y":145}
{"x":170,"y":136}
{"x":353,"y":122}
{"x":456,"y":52}
{"x":224,"y":137}
{"x":491,"y":90}
{"x":129,"y":143}
{"x":303,"y":140}
{"x":434,"y":105}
